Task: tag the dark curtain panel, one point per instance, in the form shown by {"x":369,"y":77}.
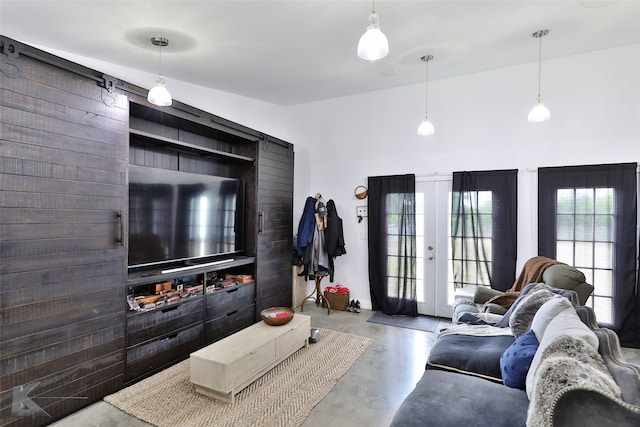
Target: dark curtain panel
{"x":392,"y":244}
{"x":622,"y":178}
{"x":483,"y":242}
{"x":636,"y":338}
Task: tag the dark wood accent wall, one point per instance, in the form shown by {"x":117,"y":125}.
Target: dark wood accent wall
{"x":67,"y":136}
{"x":275,"y":227}
{"x":63,"y":178}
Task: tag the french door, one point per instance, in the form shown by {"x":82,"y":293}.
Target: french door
{"x":434,"y":290}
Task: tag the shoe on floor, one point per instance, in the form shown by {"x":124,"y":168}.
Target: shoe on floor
{"x":351,"y":305}
{"x":356,"y":307}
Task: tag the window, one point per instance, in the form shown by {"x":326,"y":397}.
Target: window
{"x":400,"y":216}
{"x":483,"y":229}
{"x":585,"y":239}
{"x":587,"y":218}
{"x":472,"y":241}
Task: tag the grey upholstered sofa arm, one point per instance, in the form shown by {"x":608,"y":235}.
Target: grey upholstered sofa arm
{"x":592,"y":408}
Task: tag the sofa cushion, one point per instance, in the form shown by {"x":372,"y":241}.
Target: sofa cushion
{"x":515,"y":361}
{"x":476,"y":355}
{"x":448,"y":399}
{"x":546,"y":313}
{"x":568,"y":323}
{"x":568,"y":362}
{"x":522,"y":316}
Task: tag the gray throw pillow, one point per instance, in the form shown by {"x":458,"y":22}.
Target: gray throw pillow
{"x":504,"y":322}
{"x":522,"y":316}
{"x":570,"y":295}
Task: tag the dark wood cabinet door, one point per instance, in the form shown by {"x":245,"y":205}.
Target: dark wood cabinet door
{"x":275,"y":229}
{"x":63,"y":185}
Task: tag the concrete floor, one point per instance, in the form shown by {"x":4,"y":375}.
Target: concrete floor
{"x":369,"y":393}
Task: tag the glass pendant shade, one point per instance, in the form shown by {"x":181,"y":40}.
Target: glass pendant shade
{"x":373,"y":44}
{"x":426,"y":127}
{"x":159,"y":95}
{"x":539,"y":113}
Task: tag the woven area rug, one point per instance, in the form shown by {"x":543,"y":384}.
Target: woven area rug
{"x":422,"y":323}
{"x":283,"y":397}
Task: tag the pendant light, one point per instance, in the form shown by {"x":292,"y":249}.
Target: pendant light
{"x":426,"y":127}
{"x":539,"y":113}
{"x":159,"y":95}
{"x":373,"y":44}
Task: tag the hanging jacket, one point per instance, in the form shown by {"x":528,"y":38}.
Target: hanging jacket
{"x":320,"y":263}
{"x":306,"y":226}
{"x":335,"y":236}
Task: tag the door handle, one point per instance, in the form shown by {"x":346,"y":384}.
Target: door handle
{"x":120,"y":220}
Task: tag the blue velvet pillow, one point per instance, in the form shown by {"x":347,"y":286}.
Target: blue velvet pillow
{"x":515,"y":361}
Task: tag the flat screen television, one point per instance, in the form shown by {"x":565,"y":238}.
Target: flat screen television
{"x":180,"y":216}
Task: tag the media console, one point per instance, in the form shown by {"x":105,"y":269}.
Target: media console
{"x":176,"y":311}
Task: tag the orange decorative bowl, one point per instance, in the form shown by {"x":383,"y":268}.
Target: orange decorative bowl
{"x":276,"y":316}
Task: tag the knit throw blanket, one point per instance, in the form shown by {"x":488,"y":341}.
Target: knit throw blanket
{"x":568,"y":363}
{"x":532,"y":272}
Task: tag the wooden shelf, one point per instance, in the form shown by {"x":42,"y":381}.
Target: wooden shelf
{"x":188,"y":146}
{"x":143,"y":277}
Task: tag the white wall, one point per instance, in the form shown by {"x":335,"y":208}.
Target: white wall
{"x":481,"y":123}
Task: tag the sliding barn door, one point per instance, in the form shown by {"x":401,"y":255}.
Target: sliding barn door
{"x":275,"y":224}
{"x":63,"y":187}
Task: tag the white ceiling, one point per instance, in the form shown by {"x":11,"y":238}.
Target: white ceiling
{"x":297,"y":51}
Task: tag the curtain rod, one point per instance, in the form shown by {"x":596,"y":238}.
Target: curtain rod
{"x":536,"y":169}
{"x":435,"y":174}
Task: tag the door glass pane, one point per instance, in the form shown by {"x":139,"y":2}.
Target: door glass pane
{"x":584,"y":200}
{"x":602,"y":255}
{"x":584,"y":227}
{"x":584,"y":254}
{"x":604,"y":200}
{"x":565,"y":202}
{"x":564,"y":252}
{"x":604,"y":228}
{"x":473,"y":248}
{"x":565,"y":227}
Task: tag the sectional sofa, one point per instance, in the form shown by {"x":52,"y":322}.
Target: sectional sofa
{"x":551,"y":366}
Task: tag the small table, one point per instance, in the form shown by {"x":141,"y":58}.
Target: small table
{"x":319,"y":298}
